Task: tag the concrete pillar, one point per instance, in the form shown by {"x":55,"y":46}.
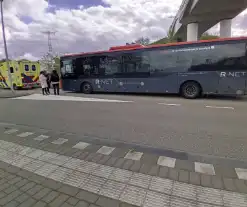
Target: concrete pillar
{"x":192,"y":32}
{"x":226,"y":28}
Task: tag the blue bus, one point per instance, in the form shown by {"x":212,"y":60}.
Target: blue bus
{"x":190,"y":69}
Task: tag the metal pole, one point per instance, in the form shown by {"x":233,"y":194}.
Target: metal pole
{"x":5,"y":48}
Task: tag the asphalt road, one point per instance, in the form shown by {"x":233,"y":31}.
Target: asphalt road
{"x":212,"y":128}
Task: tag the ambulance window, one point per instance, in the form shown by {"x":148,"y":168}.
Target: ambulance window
{"x":26,"y":68}
{"x":33,"y":68}
{"x":11,"y":70}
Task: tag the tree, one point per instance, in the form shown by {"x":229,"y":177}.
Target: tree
{"x":208,"y":36}
{"x":143,"y":41}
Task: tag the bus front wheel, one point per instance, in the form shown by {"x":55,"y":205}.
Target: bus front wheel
{"x":86,"y":88}
{"x":191,"y":90}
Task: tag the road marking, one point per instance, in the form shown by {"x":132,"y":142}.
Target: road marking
{"x":11,"y":131}
{"x":25,"y":134}
{"x":41,"y":137}
{"x":204,"y":168}
{"x":59,"y":141}
{"x":242,"y":173}
{"x":166,"y":161}
{"x":132,"y":155}
{"x":106,"y":150}
{"x":81,"y":145}
{"x":68,"y":98}
{"x":124,"y":185}
{"x":220,"y":107}
{"x":169,"y":104}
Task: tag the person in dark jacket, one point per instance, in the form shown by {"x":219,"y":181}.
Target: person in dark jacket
{"x":55,"y":82}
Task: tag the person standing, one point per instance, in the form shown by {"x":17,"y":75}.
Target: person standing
{"x":43,"y":83}
{"x":55,"y":82}
{"x":48,"y":80}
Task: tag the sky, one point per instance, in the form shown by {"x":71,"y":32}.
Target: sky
{"x":87,"y":25}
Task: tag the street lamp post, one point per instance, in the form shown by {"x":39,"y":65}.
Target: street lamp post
{"x":5,"y":48}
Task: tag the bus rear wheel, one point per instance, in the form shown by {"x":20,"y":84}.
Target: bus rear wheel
{"x":86,"y":88}
{"x":191,"y":90}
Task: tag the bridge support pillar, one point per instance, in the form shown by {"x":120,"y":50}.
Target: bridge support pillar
{"x":192,"y":32}
{"x":226,"y":28}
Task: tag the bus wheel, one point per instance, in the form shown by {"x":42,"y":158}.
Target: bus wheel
{"x":191,"y":90}
{"x":86,"y":88}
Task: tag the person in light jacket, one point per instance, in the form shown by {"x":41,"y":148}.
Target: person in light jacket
{"x":43,"y":83}
{"x":55,"y":82}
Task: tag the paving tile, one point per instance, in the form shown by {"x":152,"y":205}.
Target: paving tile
{"x":231,"y":199}
{"x":76,"y":179}
{"x":229,"y":184}
{"x":180,"y":202}
{"x":10,"y":197}
{"x":140,"y":180}
{"x":132,"y":155}
{"x":81,"y":145}
{"x":184,"y":190}
{"x":90,"y":157}
{"x":69,"y":190}
{"x":173,"y":174}
{"x":83,"y":204}
{"x":12,"y":204}
{"x":35,"y":153}
{"x":120,"y":162}
{"x":163,"y":172}
{"x":59,"y":141}
{"x":11,"y":131}
{"x":166,"y":161}
{"x":42,"y":193}
{"x":241,"y":173}
{"x":133,"y":195}
{"x":28,"y":186}
{"x":111,"y":161}
{"x":119,"y":152}
{"x":59,"y":160}
{"x":46,"y":169}
{"x":49,"y":183}
{"x":40,"y":204}
{"x":58,"y":201}
{"x":112,"y":189}
{"x":209,"y":195}
{"x":50,"y":196}
{"x":34,"y":165}
{"x":185,"y":165}
{"x":121,"y":175}
{"x":241,"y":186}
{"x":194,"y":178}
{"x":73,"y":163}
{"x":87,"y":196}
{"x":60,"y":174}
{"x":73,"y":201}
{"x":154,"y":170}
{"x":93,"y":184}
{"x":144,"y":168}
{"x":106,"y":150}
{"x":127,"y":164}
{"x":225,"y":171}
{"x":183,"y":176}
{"x":106,"y":202}
{"x":217,"y":182}
{"x":206,"y":180}
{"x":161,"y":185}
{"x":97,"y":157}
{"x":154,"y":199}
{"x":103,"y":159}
{"x":103,"y":171}
{"x":10,"y":189}
{"x":87,"y":167}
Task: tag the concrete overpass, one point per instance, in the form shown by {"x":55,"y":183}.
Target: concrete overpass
{"x":197,"y":16}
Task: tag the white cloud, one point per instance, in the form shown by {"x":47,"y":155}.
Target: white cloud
{"x":88,"y":29}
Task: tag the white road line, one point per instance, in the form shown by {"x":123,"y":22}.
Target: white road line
{"x":11,"y":131}
{"x":132,"y":155}
{"x":166,"y":161}
{"x":220,"y":107}
{"x":25,"y":134}
{"x":59,"y":141}
{"x":81,"y":145}
{"x":106,"y":150}
{"x":169,"y":104}
{"x":41,"y":137}
{"x":204,"y":168}
{"x":242,"y":173}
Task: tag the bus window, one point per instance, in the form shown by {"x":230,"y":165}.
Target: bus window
{"x":11,"y":70}
{"x":33,"y":68}
{"x":26,"y":68}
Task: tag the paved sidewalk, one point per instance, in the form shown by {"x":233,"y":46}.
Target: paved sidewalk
{"x":36,"y":177}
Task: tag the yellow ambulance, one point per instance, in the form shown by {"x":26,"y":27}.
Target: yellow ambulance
{"x":25,"y":74}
